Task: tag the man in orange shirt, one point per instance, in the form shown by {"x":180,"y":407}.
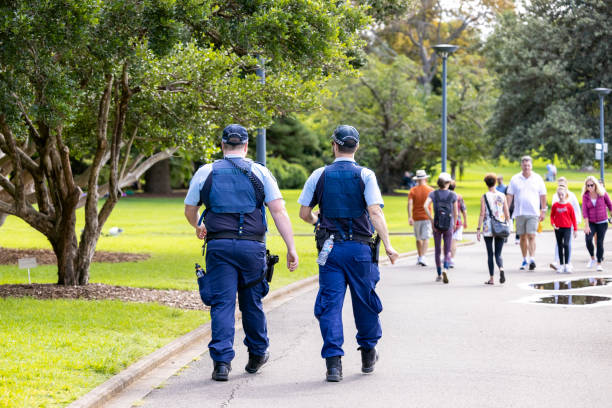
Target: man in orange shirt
{"x":417,"y":215}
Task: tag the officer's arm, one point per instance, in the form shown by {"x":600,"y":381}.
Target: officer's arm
{"x":307,"y":215}
{"x":283,"y":225}
{"x":191,"y":213}
{"x":380,"y":225}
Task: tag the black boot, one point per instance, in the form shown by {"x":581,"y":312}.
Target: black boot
{"x":255,"y":362}
{"x":369,"y":357}
{"x":334,"y":369}
{"x":221,"y":371}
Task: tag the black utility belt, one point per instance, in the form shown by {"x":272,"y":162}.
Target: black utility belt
{"x":234,"y":235}
{"x":338,"y":237}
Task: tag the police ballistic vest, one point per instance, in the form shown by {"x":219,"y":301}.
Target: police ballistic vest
{"x":340,"y":196}
{"x":231,"y":203}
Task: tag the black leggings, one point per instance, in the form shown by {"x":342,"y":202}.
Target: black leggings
{"x":600,"y":229}
{"x":499,"y":244}
{"x":563,"y":236}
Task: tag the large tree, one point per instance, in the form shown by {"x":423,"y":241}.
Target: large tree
{"x":431,"y":22}
{"x":389,"y":110}
{"x":117,"y":84}
{"x":547,"y":60}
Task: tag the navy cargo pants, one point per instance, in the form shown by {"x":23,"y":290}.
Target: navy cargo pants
{"x":349,"y":263}
{"x":230,"y":263}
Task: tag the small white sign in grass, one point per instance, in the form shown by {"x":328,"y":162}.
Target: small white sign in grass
{"x":27,"y":263}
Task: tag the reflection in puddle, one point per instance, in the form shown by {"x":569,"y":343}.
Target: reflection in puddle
{"x":572,"y":284}
{"x":572,"y":299}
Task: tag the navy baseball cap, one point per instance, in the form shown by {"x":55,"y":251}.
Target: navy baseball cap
{"x":345,"y":135}
{"x":234,"y":135}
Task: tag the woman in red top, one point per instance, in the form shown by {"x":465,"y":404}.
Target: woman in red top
{"x":562,"y":218}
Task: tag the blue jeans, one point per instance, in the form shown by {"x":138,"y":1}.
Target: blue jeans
{"x":231,"y":263}
{"x":349,"y":263}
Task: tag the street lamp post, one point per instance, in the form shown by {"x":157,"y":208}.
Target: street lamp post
{"x":601,"y":92}
{"x":444,"y":50}
{"x":261,"y":132}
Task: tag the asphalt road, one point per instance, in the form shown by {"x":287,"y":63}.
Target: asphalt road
{"x":464,"y":344}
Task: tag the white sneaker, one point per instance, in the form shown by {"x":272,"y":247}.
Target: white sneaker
{"x":423,"y":261}
{"x":568,"y":268}
{"x":591,"y":263}
{"x":418,"y":262}
{"x":562,"y":268}
{"x":599,"y":268}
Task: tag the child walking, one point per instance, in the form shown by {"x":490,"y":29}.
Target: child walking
{"x":562,"y":218}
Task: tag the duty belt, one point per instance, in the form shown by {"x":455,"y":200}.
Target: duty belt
{"x":234,"y":235}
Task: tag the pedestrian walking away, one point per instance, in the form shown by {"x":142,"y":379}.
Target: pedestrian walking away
{"x":460,"y":224}
{"x":571,"y":198}
{"x":493,"y":205}
{"x":501,"y":187}
{"x":443,"y":222}
{"x":563,"y":219}
{"x":595,"y":207}
{"x":417,"y":216}
{"x":350,"y":210}
{"x":234,"y":191}
{"x":527,"y":192}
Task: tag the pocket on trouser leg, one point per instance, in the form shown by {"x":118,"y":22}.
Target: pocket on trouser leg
{"x":265,"y":288}
{"x":374,"y":302}
{"x":320,"y":305}
{"x":204,"y":290}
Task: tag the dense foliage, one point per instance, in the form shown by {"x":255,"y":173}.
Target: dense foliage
{"x":548,"y":61}
{"x":118,"y":85}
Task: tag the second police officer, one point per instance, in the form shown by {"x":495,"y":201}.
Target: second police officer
{"x":234,"y":191}
{"x":350,"y":209}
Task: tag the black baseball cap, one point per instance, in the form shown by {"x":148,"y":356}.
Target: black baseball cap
{"x":234,"y":135}
{"x":346,"y":135}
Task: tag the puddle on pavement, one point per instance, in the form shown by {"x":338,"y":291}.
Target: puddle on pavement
{"x":572,"y":299}
{"x":573,"y":283}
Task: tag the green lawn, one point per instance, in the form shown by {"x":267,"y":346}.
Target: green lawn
{"x":52,"y":352}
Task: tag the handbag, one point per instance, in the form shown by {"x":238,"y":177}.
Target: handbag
{"x":498,"y":228}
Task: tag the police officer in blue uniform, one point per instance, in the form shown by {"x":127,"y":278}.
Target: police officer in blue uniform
{"x":350,"y":209}
{"x":234,"y":191}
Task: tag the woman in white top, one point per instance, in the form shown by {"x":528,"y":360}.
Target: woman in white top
{"x":562,"y":182}
{"x":499,"y":208}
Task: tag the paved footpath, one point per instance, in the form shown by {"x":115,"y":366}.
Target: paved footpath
{"x":464,"y":344}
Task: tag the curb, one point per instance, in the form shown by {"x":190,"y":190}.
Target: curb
{"x":97,"y":397}
{"x":104,"y":392}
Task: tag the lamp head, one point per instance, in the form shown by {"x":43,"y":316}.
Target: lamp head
{"x":445,"y":49}
{"x":602,"y":91}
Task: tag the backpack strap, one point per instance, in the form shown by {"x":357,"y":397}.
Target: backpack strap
{"x":484,"y":196}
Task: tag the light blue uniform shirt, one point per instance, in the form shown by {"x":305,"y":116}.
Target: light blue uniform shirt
{"x":262,"y":173}
{"x":372,"y":191}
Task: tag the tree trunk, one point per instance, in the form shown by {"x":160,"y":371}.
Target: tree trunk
{"x":64,"y":245}
{"x":453,"y":169}
{"x":157,"y":178}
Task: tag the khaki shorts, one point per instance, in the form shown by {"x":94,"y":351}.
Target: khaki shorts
{"x":527,"y":224}
{"x":422,"y":230}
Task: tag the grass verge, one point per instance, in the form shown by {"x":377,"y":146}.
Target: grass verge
{"x":52,"y":352}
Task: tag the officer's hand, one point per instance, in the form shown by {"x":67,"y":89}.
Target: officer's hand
{"x":201,"y":232}
{"x":292,"y":260}
{"x":392,"y":254}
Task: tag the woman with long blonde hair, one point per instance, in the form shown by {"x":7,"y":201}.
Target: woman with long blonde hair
{"x":595,"y":207}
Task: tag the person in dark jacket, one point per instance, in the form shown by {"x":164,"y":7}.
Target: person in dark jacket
{"x":350,"y":210}
{"x":234,"y":191}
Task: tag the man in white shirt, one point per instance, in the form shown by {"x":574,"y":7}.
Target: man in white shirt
{"x":528,"y":191}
